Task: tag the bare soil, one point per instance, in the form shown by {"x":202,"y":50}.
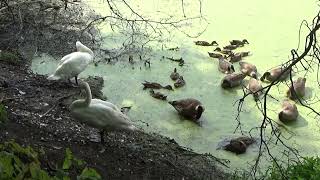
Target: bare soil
{"x":39,"y":116}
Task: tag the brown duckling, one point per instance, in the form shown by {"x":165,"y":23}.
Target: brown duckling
{"x":225,"y":66}
{"x":248,"y":69}
{"x":180,"y":82}
{"x":154,"y":85}
{"x":205,"y":43}
{"x":174,"y":75}
{"x":289,"y":112}
{"x":236,"y":57}
{"x":232,"y":80}
{"x":239,"y":42}
{"x":273,"y":74}
{"x":189,"y":108}
{"x":231,"y":47}
{"x":216,"y":55}
{"x":158,"y":95}
{"x":298,"y":89}
{"x":255,"y":87}
{"x":223,"y":51}
{"x":239,"y":145}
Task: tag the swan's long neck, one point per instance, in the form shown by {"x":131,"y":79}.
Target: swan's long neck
{"x":88,"y":98}
{"x":83,"y":48}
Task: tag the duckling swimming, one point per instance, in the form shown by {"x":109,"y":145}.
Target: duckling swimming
{"x":298,"y":89}
{"x":231,"y":47}
{"x":205,"y":43}
{"x":289,"y":112}
{"x":255,"y":87}
{"x":158,"y":95}
{"x":180,"y":82}
{"x":216,"y":55}
{"x":239,"y":43}
{"x":189,"y":108}
{"x":248,"y":69}
{"x":223,"y":51}
{"x":274,"y":73}
{"x":154,"y":85}
{"x":236,"y":57}
{"x":225,"y":66}
{"x":174,"y":75}
{"x":239,"y":145}
{"x":232,"y":80}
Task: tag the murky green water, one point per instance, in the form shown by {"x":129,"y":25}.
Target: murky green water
{"x":271,"y":27}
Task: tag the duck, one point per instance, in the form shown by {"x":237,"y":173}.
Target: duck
{"x":73,"y":64}
{"x":239,"y":42}
{"x":248,"y":69}
{"x":188,"y":108}
{"x":232,"y":80}
{"x":225,"y":66}
{"x":180,"y":82}
{"x":99,"y":114}
{"x":154,"y":85}
{"x":239,"y":145}
{"x":231,"y":47}
{"x":255,"y":87}
{"x":298,"y":89}
{"x":216,"y":55}
{"x":223,"y":51}
{"x":205,"y":43}
{"x":273,"y":74}
{"x":289,"y":112}
{"x":158,"y":95}
{"x":174,"y":75}
{"x":236,"y":57}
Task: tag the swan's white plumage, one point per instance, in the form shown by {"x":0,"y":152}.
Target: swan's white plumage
{"x":100,"y":114}
{"x":74,"y":63}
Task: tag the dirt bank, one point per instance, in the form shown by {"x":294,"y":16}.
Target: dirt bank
{"x":39,"y":117}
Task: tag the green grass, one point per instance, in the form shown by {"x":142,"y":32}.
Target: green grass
{"x":17,"y":162}
{"x":308,"y":169}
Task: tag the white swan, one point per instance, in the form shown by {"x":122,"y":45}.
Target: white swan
{"x":99,"y":114}
{"x":73,"y":64}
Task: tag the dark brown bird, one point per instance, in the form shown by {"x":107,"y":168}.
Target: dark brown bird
{"x":239,"y":145}
{"x":232,"y":80}
{"x":158,"y":95}
{"x":180,"y":82}
{"x":231,"y":47}
{"x":248,"y":69}
{"x":205,"y":43}
{"x":298,"y":89}
{"x":174,"y":75}
{"x":189,"y":108}
{"x":223,"y":51}
{"x":216,"y":55}
{"x":289,"y":112}
{"x":273,"y":74}
{"x":239,"y":43}
{"x":225,"y":66}
{"x":154,"y":85}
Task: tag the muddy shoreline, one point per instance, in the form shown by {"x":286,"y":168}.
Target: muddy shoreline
{"x":39,"y":116}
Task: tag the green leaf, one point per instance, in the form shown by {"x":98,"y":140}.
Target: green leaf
{"x":67,"y":160}
{"x":89,"y":174}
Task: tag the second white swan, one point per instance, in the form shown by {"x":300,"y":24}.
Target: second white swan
{"x":73,"y":64}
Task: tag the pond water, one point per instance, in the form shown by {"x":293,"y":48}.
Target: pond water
{"x":271,"y":28}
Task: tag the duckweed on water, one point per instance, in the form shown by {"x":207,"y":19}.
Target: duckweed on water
{"x":17,"y":162}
